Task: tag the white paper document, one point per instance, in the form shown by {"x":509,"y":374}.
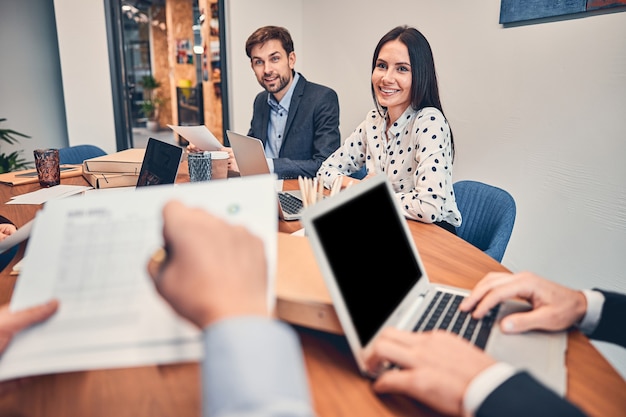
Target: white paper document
{"x":91,"y":253}
{"x":200,"y":136}
{"x":47,"y":194}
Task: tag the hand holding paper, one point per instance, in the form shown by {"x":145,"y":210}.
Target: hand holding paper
{"x":200,"y":136}
{"x":203,"y":277}
{"x":110,"y":313}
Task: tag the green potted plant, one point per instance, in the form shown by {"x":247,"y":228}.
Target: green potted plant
{"x":13,"y":161}
{"x":151,"y":102}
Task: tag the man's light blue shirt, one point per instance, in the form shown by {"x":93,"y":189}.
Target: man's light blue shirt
{"x":279,"y":111}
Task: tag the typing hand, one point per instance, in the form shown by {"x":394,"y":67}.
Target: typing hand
{"x":424,"y":369}
{"x":554,"y":307}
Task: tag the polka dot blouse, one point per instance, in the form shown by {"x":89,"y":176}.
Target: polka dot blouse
{"x":416,"y":154}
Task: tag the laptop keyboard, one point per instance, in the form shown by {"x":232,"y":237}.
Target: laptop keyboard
{"x":289,"y":203}
{"x":443,"y":313}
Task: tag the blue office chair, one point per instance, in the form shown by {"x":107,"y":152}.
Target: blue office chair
{"x":77,"y":154}
{"x":488,"y":214}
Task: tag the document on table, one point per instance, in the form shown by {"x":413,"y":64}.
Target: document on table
{"x":91,"y":253}
{"x":47,"y":194}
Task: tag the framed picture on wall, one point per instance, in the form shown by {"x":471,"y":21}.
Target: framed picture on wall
{"x":515,"y":11}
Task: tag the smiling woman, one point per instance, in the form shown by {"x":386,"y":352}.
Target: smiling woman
{"x":407,"y":135}
{"x":391,"y":79}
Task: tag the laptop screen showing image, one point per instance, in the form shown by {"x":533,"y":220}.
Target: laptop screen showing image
{"x":372,"y":262}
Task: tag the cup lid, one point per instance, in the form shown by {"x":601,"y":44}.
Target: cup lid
{"x":219,"y":155}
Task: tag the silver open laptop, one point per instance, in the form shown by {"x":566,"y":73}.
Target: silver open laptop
{"x":251,"y":160}
{"x":376,"y":279}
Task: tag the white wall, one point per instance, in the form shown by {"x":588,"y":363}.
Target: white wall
{"x":84,"y":55}
{"x":31,"y":93}
{"x":55,"y":83}
{"x":537,"y":109}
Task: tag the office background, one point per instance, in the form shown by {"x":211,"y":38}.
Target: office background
{"x":537,"y":109}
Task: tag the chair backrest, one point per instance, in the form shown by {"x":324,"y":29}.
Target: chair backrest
{"x":488,"y":216}
{"x":77,"y":154}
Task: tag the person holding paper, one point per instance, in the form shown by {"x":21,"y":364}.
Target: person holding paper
{"x":406,"y":135}
{"x":297,"y":120}
{"x":253,"y":364}
{"x":12,"y":322}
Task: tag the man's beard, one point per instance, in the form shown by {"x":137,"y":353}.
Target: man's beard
{"x":283,"y":82}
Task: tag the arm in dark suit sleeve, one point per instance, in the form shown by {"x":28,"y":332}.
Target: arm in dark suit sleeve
{"x":4,"y":220}
{"x":523,"y":396}
{"x":610,"y":328}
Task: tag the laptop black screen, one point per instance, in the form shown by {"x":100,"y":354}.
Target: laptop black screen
{"x":369,"y":256}
{"x":160,"y":163}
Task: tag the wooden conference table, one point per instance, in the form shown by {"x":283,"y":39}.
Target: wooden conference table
{"x":337,"y":388}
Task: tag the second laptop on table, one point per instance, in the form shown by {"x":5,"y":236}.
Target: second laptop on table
{"x":251,"y":160}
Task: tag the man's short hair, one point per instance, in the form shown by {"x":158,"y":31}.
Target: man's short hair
{"x":266,"y":33}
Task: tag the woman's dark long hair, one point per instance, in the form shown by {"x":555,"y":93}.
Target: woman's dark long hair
{"x":424,"y":86}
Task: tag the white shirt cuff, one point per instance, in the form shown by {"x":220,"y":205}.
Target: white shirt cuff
{"x":483,"y":384}
{"x":595,"y":301}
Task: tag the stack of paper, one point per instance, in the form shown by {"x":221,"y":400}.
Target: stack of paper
{"x":91,"y":253}
{"x":46,"y":194}
{"x":120,"y":169}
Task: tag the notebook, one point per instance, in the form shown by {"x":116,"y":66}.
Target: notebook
{"x":375,"y":277}
{"x":251,"y":160}
{"x":160,"y":163}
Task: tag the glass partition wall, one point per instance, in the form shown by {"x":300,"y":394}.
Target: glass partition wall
{"x":167,"y":65}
